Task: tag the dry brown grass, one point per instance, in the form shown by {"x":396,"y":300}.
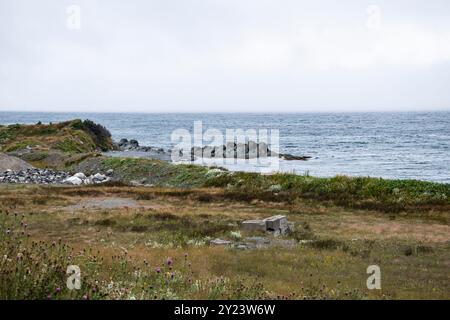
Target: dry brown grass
{"x":156,"y":223}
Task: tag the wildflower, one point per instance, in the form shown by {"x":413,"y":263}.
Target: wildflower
{"x":158,"y":270}
{"x":58,"y":290}
{"x":169,"y":262}
{"x":8,"y":231}
{"x":86,"y":297}
{"x":172,"y":275}
{"x":49,"y":297}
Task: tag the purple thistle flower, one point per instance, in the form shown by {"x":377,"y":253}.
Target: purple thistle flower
{"x":158,"y":269}
{"x":169,"y":261}
{"x":58,"y":290}
{"x":49,"y":297}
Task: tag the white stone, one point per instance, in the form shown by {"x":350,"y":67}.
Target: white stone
{"x":80,"y":175}
{"x":74,"y":181}
{"x":99,"y":176}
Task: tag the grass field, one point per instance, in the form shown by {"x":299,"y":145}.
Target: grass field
{"x":153,"y":243}
{"x":152,"y":240}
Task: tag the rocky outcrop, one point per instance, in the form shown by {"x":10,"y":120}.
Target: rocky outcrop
{"x":12,"y":163}
{"x":250,"y":150}
{"x":133,"y":145}
{"x":71,"y":137}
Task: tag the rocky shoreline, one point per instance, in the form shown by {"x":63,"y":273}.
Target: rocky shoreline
{"x":249,"y":150}
{"x":47,"y":176}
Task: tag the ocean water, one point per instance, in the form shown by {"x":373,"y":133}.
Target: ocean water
{"x":390,"y":145}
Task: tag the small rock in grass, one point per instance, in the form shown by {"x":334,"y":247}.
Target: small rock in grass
{"x":219,"y":242}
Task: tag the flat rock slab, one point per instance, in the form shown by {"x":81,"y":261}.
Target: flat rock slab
{"x":220,"y":242}
{"x":252,"y":243}
{"x":254,"y":225}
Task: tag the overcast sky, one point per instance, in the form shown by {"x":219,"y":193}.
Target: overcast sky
{"x":224,"y":55}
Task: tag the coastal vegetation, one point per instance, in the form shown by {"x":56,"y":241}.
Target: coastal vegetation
{"x":146,"y":234}
{"x":74,"y":136}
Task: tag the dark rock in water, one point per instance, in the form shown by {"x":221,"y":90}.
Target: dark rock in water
{"x":250,"y":150}
{"x":122,"y":143}
{"x":290,"y":157}
{"x":134,"y":143}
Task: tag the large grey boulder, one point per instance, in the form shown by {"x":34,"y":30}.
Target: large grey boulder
{"x":12,"y":163}
{"x":254,"y":225}
{"x":276,"y":225}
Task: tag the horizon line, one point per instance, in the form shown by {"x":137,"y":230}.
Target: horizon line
{"x":224,"y":112}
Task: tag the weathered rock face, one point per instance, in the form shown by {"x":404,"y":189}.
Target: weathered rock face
{"x":12,"y":163}
{"x":277,"y":225}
